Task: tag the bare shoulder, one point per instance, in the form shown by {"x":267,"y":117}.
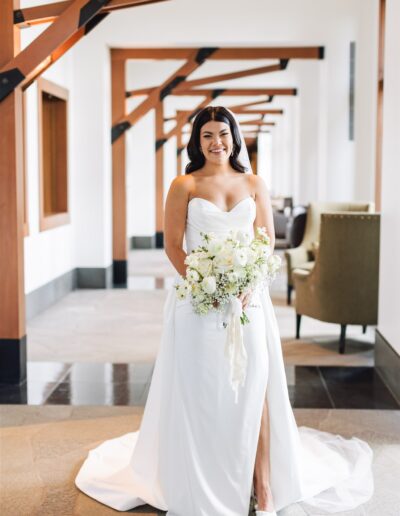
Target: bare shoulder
{"x":257,"y":184}
{"x":182,"y":185}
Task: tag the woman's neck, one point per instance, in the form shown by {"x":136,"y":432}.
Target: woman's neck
{"x":212,"y":169}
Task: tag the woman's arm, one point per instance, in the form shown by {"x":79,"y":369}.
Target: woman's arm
{"x":175,"y":222}
{"x":264,"y":215}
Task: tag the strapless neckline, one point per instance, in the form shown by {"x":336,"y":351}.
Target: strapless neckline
{"x":220,"y":209}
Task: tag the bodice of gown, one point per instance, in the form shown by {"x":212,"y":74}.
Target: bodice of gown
{"x":204,"y":217}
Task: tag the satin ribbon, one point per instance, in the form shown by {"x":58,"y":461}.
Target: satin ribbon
{"x":234,"y":346}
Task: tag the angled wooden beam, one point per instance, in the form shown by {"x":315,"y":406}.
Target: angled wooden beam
{"x":227,"y":53}
{"x":234,"y":75}
{"x":196,"y":59}
{"x":49,"y":46}
{"x":139,"y":93}
{"x":12,"y":295}
{"x":49,"y":12}
{"x":238,"y":92}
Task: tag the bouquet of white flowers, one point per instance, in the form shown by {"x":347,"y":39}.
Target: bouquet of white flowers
{"x":222,"y":269}
{"x":219,"y":271}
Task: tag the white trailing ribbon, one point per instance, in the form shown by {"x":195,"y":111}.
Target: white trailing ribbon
{"x":234,"y":346}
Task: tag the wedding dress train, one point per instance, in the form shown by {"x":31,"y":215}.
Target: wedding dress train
{"x":195,"y":451}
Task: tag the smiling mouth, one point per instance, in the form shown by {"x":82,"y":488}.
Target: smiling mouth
{"x":217,"y":151}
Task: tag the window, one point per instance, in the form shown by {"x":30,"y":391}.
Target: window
{"x":53,"y":150}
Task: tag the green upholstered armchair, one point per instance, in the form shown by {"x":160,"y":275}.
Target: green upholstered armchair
{"x":303,"y":256}
{"x":343,"y":285}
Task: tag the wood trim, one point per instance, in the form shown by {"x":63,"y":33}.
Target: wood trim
{"x":12,"y":295}
{"x":238,"y":92}
{"x":51,"y":221}
{"x":226,"y":53}
{"x":119,"y":211}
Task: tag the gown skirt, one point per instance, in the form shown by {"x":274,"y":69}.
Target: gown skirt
{"x":194,"y":453}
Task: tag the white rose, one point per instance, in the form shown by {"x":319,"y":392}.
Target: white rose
{"x":209,"y":284}
{"x":215,"y":247}
{"x":192,"y":275}
{"x":240,"y":257}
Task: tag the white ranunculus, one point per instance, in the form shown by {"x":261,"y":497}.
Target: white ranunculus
{"x":243,"y":237}
{"x":240,"y":257}
{"x":209,"y":284}
{"x":192,"y":275}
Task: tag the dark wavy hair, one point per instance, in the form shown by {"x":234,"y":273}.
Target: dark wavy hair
{"x":219,"y":114}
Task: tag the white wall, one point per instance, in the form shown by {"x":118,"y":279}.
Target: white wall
{"x":389,"y":281}
{"x":311,"y":154}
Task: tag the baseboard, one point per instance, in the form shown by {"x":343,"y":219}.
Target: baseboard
{"x":387,"y":364}
{"x":38,"y":300}
{"x":94,"y":277}
{"x":82,"y":277}
{"x":142,"y":242}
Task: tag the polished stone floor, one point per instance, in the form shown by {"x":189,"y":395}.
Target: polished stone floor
{"x":56,"y":383}
{"x":44,"y":446}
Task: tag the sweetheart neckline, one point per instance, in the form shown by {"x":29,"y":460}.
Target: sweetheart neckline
{"x":220,"y":209}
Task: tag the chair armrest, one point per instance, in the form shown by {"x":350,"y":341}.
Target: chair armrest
{"x":296,"y":257}
{"x":301,"y":274}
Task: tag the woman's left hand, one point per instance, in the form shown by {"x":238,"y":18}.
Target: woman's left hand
{"x":245,"y":299}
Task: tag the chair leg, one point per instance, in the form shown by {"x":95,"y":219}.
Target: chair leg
{"x":289,"y":294}
{"x":342,"y":341}
{"x":364,"y":328}
{"x":298,"y":321}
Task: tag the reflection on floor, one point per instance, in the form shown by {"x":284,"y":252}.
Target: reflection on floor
{"x":44,"y":446}
{"x":128,"y":384}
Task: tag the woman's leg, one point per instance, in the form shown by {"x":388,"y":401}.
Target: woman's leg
{"x":262,"y":466}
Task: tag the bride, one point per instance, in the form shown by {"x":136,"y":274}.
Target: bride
{"x":198,"y":452}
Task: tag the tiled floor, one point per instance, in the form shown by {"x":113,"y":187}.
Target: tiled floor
{"x":52,"y":383}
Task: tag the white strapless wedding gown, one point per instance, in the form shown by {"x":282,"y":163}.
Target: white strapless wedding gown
{"x":195,"y":451}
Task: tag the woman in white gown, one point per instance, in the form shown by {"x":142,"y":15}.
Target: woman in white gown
{"x":198,"y":452}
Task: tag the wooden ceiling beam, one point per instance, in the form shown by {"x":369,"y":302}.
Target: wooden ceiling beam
{"x":196,"y":59}
{"x":238,"y":92}
{"x":76,"y":19}
{"x":248,"y":104}
{"x":227,"y":53}
{"x":50,"y":12}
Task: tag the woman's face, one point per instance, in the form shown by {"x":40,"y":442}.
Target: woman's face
{"x":216,"y":141}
